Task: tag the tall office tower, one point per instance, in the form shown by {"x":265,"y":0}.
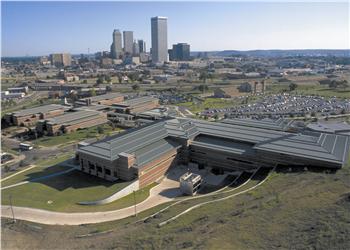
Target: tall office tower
{"x":159,"y":39}
{"x":61,"y":59}
{"x":135,"y":49}
{"x":142,"y":46}
{"x":128,"y":41}
{"x":180,"y":52}
{"x":116,"y":47}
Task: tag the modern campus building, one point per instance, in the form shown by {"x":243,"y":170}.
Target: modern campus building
{"x":128,"y":39}
{"x":147,"y":153}
{"x":28,"y":117}
{"x":70,"y":122}
{"x":159,"y":32}
{"x":180,"y":52}
{"x":116,"y":47}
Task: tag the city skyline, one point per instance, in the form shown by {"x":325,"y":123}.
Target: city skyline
{"x":274,"y":26}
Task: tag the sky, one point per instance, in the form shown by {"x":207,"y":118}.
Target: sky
{"x":41,"y":28}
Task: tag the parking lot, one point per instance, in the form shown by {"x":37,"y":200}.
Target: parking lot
{"x":282,"y":105}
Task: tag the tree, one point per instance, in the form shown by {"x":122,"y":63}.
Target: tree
{"x":85,"y":81}
{"x":100,"y":80}
{"x":100,"y":130}
{"x":133,"y":76}
{"x":292,"y":86}
{"x":203,"y":76}
{"x":92,"y":92}
{"x":203,"y":88}
{"x":120,"y":78}
{"x":211,"y":77}
{"x":108,"y":79}
{"x":136,"y":87}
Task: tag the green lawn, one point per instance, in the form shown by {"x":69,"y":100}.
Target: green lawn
{"x":75,"y":136}
{"x":310,"y":90}
{"x":27,"y":104}
{"x":43,"y":167}
{"x":209,"y":103}
{"x":62,"y":193}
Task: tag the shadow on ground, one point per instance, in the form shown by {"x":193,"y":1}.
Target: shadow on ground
{"x":74,"y":179}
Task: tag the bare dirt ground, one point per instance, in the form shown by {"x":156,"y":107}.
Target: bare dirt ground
{"x":298,"y":210}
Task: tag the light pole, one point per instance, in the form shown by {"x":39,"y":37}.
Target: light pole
{"x":135,"y":203}
{"x":13,"y":214}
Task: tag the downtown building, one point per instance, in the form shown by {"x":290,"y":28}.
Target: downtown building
{"x":128,"y":38}
{"x":159,"y":35}
{"x":180,"y":52}
{"x":145,"y":154}
{"x":116,"y":46}
{"x":61,"y":59}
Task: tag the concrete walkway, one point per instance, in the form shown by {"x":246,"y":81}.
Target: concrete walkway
{"x":166,"y":191}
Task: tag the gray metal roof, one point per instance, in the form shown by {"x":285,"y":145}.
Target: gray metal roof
{"x":127,"y":142}
{"x":222,"y":136}
{"x":40,"y":109}
{"x":326,"y":147}
{"x":330,"y":127}
{"x":135,"y":101}
{"x":74,"y":117}
{"x":98,"y":98}
{"x":154,"y":150}
{"x":222,"y":144}
{"x":279,"y":124}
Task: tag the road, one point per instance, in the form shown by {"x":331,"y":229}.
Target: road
{"x":37,"y":153}
{"x":166,"y":191}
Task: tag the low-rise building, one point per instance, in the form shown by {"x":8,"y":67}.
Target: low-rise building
{"x":136,"y":105}
{"x":106,"y":99}
{"x":29,"y":117}
{"x":71,"y":121}
{"x":147,"y":153}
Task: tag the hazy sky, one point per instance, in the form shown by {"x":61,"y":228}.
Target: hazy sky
{"x":39,"y":28}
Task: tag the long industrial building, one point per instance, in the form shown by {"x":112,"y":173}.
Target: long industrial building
{"x":136,"y":105}
{"x":147,"y":153}
{"x":71,"y":121}
{"x":106,"y":99}
{"x":28,"y":117}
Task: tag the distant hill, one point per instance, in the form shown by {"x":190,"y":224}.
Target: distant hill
{"x":278,"y":53}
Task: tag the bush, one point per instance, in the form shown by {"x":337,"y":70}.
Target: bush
{"x":100,"y":130}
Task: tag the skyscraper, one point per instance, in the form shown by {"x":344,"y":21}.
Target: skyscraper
{"x":159,"y":32}
{"x":142,"y":46}
{"x":61,"y":59}
{"x":135,"y":49}
{"x":128,"y":38}
{"x":116,"y":47}
{"x":180,"y":52}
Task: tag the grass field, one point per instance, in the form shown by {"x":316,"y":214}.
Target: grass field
{"x":75,"y":136}
{"x":317,"y":90}
{"x":297,"y":210}
{"x":65,"y":191}
{"x":208,"y":103}
{"x":43,"y":167}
